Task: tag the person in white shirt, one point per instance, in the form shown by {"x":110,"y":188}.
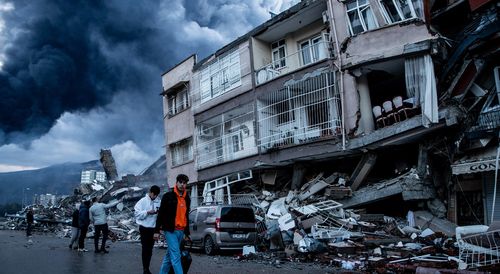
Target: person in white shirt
{"x":146,"y":211}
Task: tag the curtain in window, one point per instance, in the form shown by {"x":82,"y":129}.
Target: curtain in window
{"x":421,"y":85}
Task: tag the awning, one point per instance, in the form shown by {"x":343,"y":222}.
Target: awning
{"x":174,"y":87}
{"x":473,"y":167}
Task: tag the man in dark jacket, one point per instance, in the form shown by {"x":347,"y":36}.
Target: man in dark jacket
{"x":173,"y":219}
{"x":83,"y":221}
{"x":29,"y":221}
{"x":75,"y":227}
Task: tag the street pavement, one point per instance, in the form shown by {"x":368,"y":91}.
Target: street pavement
{"x":50,"y":254}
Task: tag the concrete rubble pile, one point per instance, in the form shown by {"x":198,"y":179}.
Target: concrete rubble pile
{"x":308,"y":225}
{"x":57,"y":219}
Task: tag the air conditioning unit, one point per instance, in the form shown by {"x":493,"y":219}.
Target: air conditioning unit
{"x":206,"y":131}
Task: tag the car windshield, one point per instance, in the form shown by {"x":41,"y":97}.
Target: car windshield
{"x":237,"y":214}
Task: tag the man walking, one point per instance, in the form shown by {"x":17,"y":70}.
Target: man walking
{"x":29,"y":221}
{"x":145,"y":211}
{"x":75,"y":227}
{"x":100,"y":220}
{"x":83,"y":222}
{"x":173,"y":219}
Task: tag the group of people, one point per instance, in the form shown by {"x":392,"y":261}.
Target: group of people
{"x":89,"y":212}
{"x":170,"y":216}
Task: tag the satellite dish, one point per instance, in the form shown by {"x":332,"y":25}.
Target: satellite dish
{"x":262,"y":76}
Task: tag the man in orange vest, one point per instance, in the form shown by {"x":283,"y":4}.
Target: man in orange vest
{"x":173,"y":220}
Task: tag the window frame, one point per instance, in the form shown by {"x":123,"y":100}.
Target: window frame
{"x":181,"y":152}
{"x":359,"y":12}
{"x":178,"y":101}
{"x":402,"y":18}
{"x":221,"y":76}
{"x":276,"y":47}
{"x":310,"y":48}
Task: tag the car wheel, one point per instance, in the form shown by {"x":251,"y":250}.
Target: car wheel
{"x":209,"y":246}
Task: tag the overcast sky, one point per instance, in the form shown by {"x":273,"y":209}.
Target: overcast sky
{"x":78,"y":76}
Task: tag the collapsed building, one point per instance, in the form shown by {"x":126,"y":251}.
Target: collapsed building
{"x":367,"y":129}
{"x":380,"y":103}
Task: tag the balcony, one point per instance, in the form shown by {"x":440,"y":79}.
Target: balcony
{"x":300,"y":113}
{"x":226,"y":137}
{"x":317,"y":51}
{"x":487,"y":122}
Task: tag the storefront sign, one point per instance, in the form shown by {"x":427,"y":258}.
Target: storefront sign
{"x":472,"y":167}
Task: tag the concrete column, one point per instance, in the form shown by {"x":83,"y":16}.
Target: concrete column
{"x":365,"y":106}
{"x":423,"y":160}
{"x":298,"y":175}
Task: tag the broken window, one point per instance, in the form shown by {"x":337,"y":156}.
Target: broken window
{"x":279,"y":54}
{"x":220,"y":76}
{"x":399,"y":10}
{"x":360,"y":16}
{"x":178,"y":101}
{"x":181,"y":152}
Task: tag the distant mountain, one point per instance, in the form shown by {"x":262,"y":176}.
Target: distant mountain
{"x":59,"y":179}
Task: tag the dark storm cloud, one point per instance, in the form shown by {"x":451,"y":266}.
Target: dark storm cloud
{"x":56,"y":60}
{"x":78,"y":76}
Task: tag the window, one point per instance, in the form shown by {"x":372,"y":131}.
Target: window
{"x":237,"y":141}
{"x":182,"y":152}
{"x":192,"y":216}
{"x":360,"y":16}
{"x":312,"y":50}
{"x":237,"y":214}
{"x":202,"y":214}
{"x":220,"y":76}
{"x":178,"y":102}
{"x":399,"y":10}
{"x":279,"y":54}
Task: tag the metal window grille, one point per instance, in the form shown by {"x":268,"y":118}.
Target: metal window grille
{"x":221,"y":76}
{"x":311,"y":51}
{"x":301,"y":112}
{"x":226,"y":137}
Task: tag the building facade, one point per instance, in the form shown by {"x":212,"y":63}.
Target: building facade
{"x":88,"y":176}
{"x":362,"y":88}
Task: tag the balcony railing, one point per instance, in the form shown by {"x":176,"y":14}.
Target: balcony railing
{"x":487,"y":121}
{"x":226,"y":141}
{"x":307,"y":55}
{"x":300,"y":113}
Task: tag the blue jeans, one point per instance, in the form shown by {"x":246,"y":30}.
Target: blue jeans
{"x":173,"y":255}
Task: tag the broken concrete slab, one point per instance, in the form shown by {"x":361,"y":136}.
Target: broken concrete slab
{"x":338,"y":192}
{"x":286,"y":222}
{"x":425,"y":219}
{"x":312,"y":188}
{"x":362,"y":170}
{"x":277,"y":209}
{"x":408,"y":185}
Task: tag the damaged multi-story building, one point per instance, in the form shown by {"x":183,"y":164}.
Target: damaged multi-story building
{"x":386,"y":98}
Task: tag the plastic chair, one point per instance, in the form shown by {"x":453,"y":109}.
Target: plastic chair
{"x":379,"y":118}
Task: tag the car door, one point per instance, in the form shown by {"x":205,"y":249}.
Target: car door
{"x":193,"y":228}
